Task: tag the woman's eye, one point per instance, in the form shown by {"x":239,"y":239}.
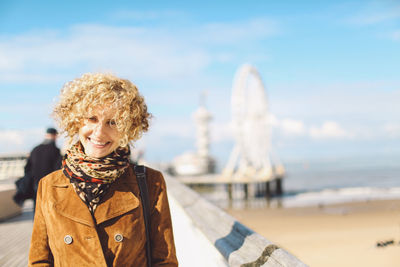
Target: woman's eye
{"x":92,"y":119}
{"x":112,"y":123}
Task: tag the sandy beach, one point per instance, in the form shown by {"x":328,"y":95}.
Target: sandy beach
{"x":333,"y":235}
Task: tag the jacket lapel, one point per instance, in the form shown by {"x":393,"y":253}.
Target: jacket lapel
{"x":71,"y":206}
{"x":121,"y":198}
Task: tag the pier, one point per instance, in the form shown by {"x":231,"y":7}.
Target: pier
{"x":267,"y":186}
{"x":215,"y":238}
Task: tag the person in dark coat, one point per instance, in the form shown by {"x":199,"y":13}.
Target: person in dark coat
{"x":44,"y":159}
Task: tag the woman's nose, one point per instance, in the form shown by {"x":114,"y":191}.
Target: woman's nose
{"x":98,"y":130}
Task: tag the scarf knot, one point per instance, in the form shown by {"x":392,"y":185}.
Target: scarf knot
{"x":92,"y":177}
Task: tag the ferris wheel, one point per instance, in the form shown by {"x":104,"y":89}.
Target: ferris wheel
{"x":250,"y":157}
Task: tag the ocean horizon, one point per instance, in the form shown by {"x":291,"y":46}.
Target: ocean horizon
{"x":341,"y":180}
{"x":327,"y":181}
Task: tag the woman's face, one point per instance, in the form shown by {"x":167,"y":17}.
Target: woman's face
{"x":98,"y":132}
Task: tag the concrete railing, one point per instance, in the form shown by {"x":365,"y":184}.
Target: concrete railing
{"x":8,"y":208}
{"x":12,"y":166}
{"x":239,"y":245}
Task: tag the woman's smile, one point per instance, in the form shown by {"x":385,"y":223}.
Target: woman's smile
{"x":98,"y":143}
{"x":98,"y":133}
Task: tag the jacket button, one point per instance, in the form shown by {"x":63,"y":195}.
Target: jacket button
{"x":118,"y":237}
{"x":68,"y":239}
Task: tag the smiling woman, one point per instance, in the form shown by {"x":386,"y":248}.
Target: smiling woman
{"x":98,"y":133}
{"x":81,"y":98}
{"x":90,"y":213}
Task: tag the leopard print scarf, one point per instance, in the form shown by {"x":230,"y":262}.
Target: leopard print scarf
{"x":92,"y":177}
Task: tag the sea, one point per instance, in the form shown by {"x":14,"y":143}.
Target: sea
{"x":321,"y":182}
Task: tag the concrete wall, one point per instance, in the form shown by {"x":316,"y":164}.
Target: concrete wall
{"x":238,"y":245}
{"x":8,"y":208}
{"x":12,"y":167}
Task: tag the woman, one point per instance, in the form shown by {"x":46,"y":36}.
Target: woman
{"x":89,"y":213}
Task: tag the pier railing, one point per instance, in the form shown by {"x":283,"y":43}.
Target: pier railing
{"x":239,"y":245}
{"x":12,"y":166}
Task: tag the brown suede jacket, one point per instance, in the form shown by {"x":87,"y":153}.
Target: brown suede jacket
{"x":65,"y":233}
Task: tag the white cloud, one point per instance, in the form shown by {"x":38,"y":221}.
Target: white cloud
{"x":374,"y":14}
{"x":366,"y":102}
{"x":173,"y":127}
{"x":292,"y":127}
{"x":287,"y":126}
{"x":186,"y":128}
{"x":395,"y":35}
{"x":11,"y":137}
{"x":392,"y":129}
{"x":146,"y":15}
{"x":383,"y":15}
{"x":19,"y":141}
{"x":223,"y":131}
{"x":327,"y":130}
{"x":237,"y":31}
{"x":154,"y":52}
{"x":125,"y":50}
{"x":21,"y":76}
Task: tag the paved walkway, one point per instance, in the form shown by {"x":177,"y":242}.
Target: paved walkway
{"x":15,"y":235}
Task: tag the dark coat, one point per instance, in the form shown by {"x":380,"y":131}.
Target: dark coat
{"x":44,"y":159}
{"x":24,"y":190}
{"x":65,"y":233}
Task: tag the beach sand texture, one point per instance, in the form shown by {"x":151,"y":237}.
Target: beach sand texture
{"x":334,"y":235}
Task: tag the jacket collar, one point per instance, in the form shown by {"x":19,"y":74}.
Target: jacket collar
{"x":48,"y":141}
{"x":120,"y":199}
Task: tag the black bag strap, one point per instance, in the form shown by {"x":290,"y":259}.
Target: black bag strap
{"x":140,"y":172}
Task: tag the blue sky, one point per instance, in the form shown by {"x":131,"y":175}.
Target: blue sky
{"x":330,"y":68}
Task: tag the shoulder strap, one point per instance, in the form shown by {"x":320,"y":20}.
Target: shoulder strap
{"x":140,"y":172}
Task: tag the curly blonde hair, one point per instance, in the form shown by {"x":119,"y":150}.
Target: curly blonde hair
{"x":92,"y":90}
